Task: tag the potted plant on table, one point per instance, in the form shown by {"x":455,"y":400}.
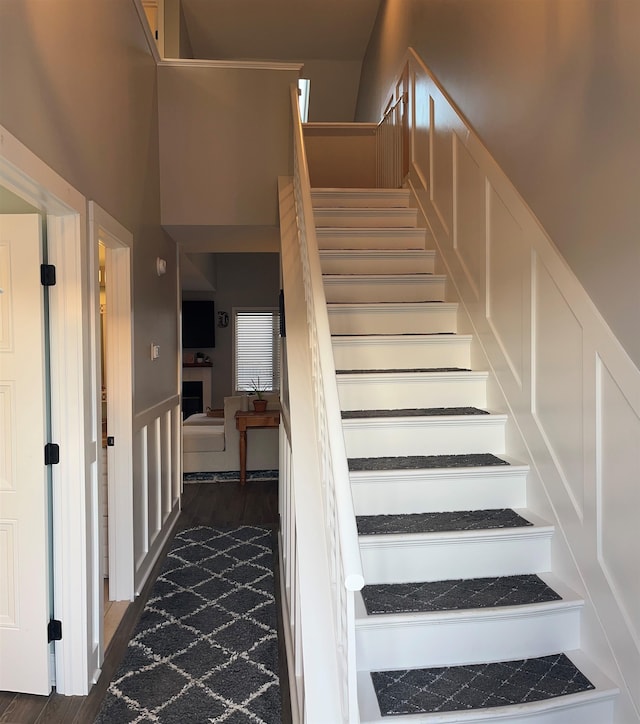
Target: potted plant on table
{"x":259,"y":403}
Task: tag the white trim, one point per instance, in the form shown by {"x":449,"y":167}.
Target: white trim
{"x":25,"y":174}
{"x":231,"y":64}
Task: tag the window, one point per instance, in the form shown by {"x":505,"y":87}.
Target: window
{"x":256,"y":348}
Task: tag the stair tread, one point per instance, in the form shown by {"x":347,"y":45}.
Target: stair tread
{"x":457,"y":594}
{"x":477,"y":686}
{"x":402,"y":370}
{"x":413,"y":412}
{"x":458,"y":520}
{"x":419,"y":462}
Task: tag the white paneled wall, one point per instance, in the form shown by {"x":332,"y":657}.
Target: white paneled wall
{"x":156,"y":482}
{"x":572,"y":391}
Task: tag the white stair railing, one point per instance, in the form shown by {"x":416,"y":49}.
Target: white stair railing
{"x":389,"y":149}
{"x":321,"y":568}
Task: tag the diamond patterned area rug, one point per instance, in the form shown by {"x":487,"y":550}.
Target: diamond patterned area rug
{"x":206,"y":646}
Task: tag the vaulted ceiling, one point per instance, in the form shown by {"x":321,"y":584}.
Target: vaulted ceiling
{"x":284,"y":30}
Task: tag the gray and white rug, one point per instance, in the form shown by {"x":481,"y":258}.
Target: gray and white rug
{"x":206,"y":647}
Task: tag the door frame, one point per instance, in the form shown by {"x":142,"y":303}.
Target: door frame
{"x":26,"y":175}
{"x":119,"y":373}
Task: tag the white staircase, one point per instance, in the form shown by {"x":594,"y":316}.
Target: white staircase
{"x":442,"y":508}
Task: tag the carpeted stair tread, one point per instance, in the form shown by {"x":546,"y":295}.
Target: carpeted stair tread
{"x":477,"y":686}
{"x":457,"y":594}
{"x":457,"y":520}
{"x":402,"y":370}
{"x":413,"y":412}
{"x":425,"y":462}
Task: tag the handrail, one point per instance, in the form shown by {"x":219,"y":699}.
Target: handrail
{"x":348,"y":530}
{"x":402,"y":99}
{"x":320,"y":552}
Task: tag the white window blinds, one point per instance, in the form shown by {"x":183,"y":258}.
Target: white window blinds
{"x":257,"y":348}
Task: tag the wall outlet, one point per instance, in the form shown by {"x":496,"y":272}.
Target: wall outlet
{"x":155,"y":351}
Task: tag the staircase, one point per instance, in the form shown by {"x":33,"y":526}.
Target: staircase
{"x":461,"y":618}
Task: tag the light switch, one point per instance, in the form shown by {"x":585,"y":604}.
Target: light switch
{"x":155,"y":351}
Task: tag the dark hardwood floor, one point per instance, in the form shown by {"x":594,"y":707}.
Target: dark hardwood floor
{"x":223,"y":504}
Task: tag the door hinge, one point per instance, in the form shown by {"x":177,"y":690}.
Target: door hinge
{"x":51,"y":453}
{"x":111,"y":441}
{"x":47,"y":275}
{"x":54,"y":630}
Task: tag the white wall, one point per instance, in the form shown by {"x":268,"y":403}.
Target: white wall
{"x":551,"y":88}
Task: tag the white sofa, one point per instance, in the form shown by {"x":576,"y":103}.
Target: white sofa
{"x":211,"y":444}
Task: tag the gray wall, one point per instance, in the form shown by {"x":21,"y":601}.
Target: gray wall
{"x":243,"y":280}
{"x":78,"y":88}
{"x":551,"y":87}
{"x":225,"y":137}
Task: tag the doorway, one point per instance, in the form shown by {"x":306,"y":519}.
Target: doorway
{"x":111,"y":246}
{"x":64,"y":210}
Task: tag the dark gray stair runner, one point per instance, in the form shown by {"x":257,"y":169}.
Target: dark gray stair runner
{"x":457,"y":520}
{"x":418,"y":462}
{"x":413,"y":412}
{"x":401,"y":370}
{"x":478,"y":686}
{"x":458,"y":594}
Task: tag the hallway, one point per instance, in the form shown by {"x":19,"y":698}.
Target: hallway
{"x":221,"y":504}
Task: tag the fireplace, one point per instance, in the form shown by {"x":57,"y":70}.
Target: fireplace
{"x":192,"y":398}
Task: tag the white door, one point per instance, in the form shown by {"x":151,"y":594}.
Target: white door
{"x":24,"y":568}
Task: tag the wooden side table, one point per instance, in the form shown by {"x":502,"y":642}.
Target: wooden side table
{"x":245,"y":420}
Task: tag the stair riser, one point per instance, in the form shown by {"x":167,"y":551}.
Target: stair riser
{"x":467,"y":641}
{"x":366,"y":218}
{"x":471,"y":557}
{"x":402,"y":353}
{"x":388,"y":198}
{"x":349,"y":289}
{"x":358,"y":238}
{"x":438,"y":318}
{"x":424,"y":436}
{"x":380,"y":394}
{"x":403,"y":262}
{"x":388,"y":496}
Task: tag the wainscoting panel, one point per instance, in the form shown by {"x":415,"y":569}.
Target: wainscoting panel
{"x":469,"y":216}
{"x":558,"y":382}
{"x":508,"y":299}
{"x":618,"y":492}
{"x":421,"y":128}
{"x":575,"y":421}
{"x":156,"y":485}
{"x":441,"y":163}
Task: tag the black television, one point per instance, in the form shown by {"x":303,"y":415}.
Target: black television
{"x":198,"y":325}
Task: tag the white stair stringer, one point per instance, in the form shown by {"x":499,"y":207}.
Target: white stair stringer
{"x":397,"y":351}
{"x":367,"y":437}
{"x":415,"y":557}
{"x":377,"y":261}
{"x":426,"y":490}
{"x":385,"y":391}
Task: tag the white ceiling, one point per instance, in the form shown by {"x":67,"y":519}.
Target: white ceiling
{"x":285,"y":30}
